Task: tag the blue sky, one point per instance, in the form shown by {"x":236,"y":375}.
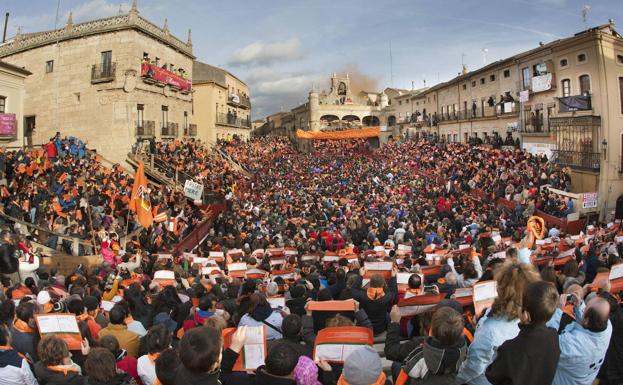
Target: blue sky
{"x":282,"y":47}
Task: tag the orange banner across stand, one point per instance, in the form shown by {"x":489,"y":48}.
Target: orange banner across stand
{"x":370,"y":132}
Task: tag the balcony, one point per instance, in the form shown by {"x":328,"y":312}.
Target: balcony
{"x":232,"y":120}
{"x":168,"y":130}
{"x":146,"y":129}
{"x":579,"y":160}
{"x":575,"y":103}
{"x":239,"y":100}
{"x":103,"y":73}
{"x":191,"y":130}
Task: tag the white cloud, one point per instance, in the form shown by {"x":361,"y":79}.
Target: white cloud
{"x":96,"y":9}
{"x":267,"y":53}
{"x":273,"y":91}
{"x":90,"y":10}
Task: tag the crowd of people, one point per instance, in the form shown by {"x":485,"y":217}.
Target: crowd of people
{"x":306,"y":231}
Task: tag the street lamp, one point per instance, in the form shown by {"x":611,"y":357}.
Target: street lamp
{"x":604,"y":147}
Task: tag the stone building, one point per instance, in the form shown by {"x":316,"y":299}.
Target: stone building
{"x":339,"y":108}
{"x":222,"y":105}
{"x":110,"y":81}
{"x":573,"y":111}
{"x":12,"y":90}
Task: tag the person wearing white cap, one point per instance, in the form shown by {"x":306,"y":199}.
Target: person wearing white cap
{"x":45,"y":301}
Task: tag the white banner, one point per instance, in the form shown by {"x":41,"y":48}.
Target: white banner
{"x":193,"y":190}
{"x":589,"y":200}
{"x":542,"y":83}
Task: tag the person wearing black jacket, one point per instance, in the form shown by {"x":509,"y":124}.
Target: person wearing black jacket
{"x":280,"y":363}
{"x":377,"y":300}
{"x":532,"y":356}
{"x":200,"y":354}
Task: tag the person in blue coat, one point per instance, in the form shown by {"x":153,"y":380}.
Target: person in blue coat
{"x":583,"y":344}
{"x":498,"y":324}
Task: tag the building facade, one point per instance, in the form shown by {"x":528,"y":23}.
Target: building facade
{"x":110,"y":81}
{"x":339,"y":108}
{"x":12,"y":91}
{"x":221,"y":102}
{"x":563,"y":99}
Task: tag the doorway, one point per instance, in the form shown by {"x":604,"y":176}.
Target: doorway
{"x":29,"y":128}
{"x":618,"y":213}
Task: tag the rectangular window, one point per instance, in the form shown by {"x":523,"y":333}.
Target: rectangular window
{"x":49,"y":66}
{"x":566,"y":87}
{"x":492,"y":78}
{"x":585,"y":85}
{"x":621,"y":92}
{"x":473,"y":83}
{"x":525,"y":78}
{"x":464,"y":86}
{"x":482,"y":80}
{"x":139,"y":115}
{"x":507,"y":73}
{"x":106,"y":62}
{"x":165,"y":116}
{"x":185,"y":119}
{"x":2,"y":104}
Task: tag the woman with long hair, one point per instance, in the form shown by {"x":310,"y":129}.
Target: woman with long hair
{"x":498,"y":324}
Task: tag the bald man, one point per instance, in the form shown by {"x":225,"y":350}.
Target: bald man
{"x":583,"y":343}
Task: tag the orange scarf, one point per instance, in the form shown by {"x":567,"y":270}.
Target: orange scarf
{"x":375,"y":293}
{"x":379,"y":381}
{"x":22,"y":326}
{"x":65,"y":371}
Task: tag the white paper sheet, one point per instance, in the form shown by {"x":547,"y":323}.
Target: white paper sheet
{"x":329,"y":352}
{"x":277,"y":302}
{"x":253,"y":356}
{"x":58,"y":324}
{"x":403,"y":278}
{"x":201,"y":261}
{"x":616,"y":272}
{"x":378,"y":266}
{"x":485,"y":291}
{"x":164,"y":274}
{"x":238,"y":266}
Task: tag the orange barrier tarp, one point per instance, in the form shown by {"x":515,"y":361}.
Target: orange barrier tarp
{"x":369,"y":132}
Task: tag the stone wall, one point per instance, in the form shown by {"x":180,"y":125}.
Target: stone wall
{"x":105,"y":113}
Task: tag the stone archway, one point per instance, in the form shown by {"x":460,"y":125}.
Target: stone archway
{"x":371,"y":121}
{"x":331,"y":122}
{"x":391,"y":121}
{"x":351,"y":121}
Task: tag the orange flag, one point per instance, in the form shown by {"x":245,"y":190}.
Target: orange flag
{"x":140,"y":198}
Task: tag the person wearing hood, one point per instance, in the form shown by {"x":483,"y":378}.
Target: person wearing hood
{"x":102,"y":370}
{"x":14,"y":367}
{"x":377,"y":299}
{"x":260,"y":314}
{"x":55,"y":366}
{"x":431,"y":359}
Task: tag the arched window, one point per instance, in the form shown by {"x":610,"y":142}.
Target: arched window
{"x":585,"y":85}
{"x":566,"y":87}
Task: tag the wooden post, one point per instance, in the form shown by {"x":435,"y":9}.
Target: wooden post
{"x":91,"y":222}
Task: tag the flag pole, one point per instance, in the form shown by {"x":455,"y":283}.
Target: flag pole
{"x":91,"y":221}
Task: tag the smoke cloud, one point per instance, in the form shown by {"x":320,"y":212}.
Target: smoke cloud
{"x":360,"y":81}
